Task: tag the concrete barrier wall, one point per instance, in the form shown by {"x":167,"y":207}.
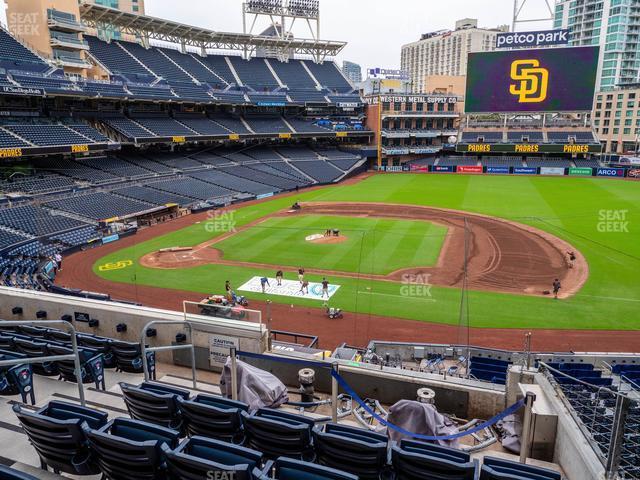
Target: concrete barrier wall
{"x":252,"y":337}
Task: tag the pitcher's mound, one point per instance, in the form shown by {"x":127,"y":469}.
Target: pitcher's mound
{"x":321,"y":239}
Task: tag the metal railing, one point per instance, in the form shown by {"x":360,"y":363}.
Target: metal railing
{"x":52,"y":358}
{"x":189,"y":346}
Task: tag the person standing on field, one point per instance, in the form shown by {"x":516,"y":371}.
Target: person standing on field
{"x":264,"y":282}
{"x":325,"y":288}
{"x":279,"y":276}
{"x":301,"y":275}
{"x":556,"y":288}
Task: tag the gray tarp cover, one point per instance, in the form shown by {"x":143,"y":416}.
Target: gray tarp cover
{"x":421,"y":418}
{"x":510,"y":429}
{"x":256,"y":387}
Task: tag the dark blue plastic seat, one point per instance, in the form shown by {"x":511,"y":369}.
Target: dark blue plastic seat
{"x":422,"y":461}
{"x":154,"y":403}
{"x":17,"y":379}
{"x":291,"y":469}
{"x":197,"y":456}
{"x":351,"y":449}
{"x":7,"y":473}
{"x":58,"y":433}
{"x":127,"y":449}
{"x":279,"y":434}
{"x":128,"y":358}
{"x":101,"y":344}
{"x":34,"y":349}
{"x":91,"y":365}
{"x":499,"y":469}
{"x":213,"y":417}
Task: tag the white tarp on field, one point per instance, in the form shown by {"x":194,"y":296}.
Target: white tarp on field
{"x":289,"y":288}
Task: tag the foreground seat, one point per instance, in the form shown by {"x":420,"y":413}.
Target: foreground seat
{"x":33,"y":349}
{"x":499,"y":469}
{"x":154,"y":403}
{"x":128,"y":358}
{"x":423,"y":461}
{"x":57,"y":433}
{"x":18,"y":379}
{"x":101,"y":344}
{"x":351,"y":449}
{"x":290,"y":469}
{"x":213,"y":417}
{"x":91,"y":365}
{"x":7,"y":473}
{"x":197,"y":456}
{"x":127,"y":449}
{"x":279,"y":434}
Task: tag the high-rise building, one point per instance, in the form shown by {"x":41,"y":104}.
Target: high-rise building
{"x":352,"y":71}
{"x":612,"y":24}
{"x":127,"y":6}
{"x":445,"y":52}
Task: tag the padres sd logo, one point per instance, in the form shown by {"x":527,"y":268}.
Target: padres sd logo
{"x":533,"y":81}
{"x":122,"y":264}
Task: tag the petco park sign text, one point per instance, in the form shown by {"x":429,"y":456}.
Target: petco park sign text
{"x":532,"y":39}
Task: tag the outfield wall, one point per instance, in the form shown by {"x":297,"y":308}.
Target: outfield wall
{"x":603,"y":172}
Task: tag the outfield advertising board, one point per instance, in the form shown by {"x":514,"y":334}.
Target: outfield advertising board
{"x":634,"y":173}
{"x":532,"y":80}
{"x":610,"y":172}
{"x":443,"y":169}
{"x":581,"y":172}
{"x":500,"y":170}
{"x":525,"y":170}
{"x":551,"y":171}
{"x":469,"y":169}
{"x":528,"y":148}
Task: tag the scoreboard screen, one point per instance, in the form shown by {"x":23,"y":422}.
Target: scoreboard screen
{"x":538,"y":80}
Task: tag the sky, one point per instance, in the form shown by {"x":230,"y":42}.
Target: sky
{"x":374,"y":29}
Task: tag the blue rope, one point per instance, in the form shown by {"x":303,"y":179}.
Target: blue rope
{"x":345,"y":386}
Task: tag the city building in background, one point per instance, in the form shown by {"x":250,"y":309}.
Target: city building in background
{"x":612,"y":24}
{"x":616,"y":119}
{"x":409,"y":127}
{"x":352,"y":71}
{"x":445,"y":52}
{"x":385,"y":81}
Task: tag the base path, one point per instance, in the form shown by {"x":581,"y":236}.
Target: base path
{"x":354,"y":329}
{"x":502,"y":256}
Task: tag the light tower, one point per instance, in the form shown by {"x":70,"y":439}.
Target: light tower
{"x":282,"y":15}
{"x":521,"y":14}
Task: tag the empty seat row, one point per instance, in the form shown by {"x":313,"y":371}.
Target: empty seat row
{"x":277,"y":434}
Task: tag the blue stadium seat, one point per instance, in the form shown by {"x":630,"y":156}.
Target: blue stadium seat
{"x":499,"y":469}
{"x":128,"y":358}
{"x":354,"y":450}
{"x":91,"y":365}
{"x":290,"y":469}
{"x":130,"y":449}
{"x":213,"y":417}
{"x":422,"y":461}
{"x":58,"y":433}
{"x":154,"y":403}
{"x":196,"y":458}
{"x":7,"y":473}
{"x":279,"y":434}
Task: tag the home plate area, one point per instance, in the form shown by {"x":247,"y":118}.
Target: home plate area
{"x":289,"y":288}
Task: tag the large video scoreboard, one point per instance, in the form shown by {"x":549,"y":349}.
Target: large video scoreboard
{"x":536,"y":80}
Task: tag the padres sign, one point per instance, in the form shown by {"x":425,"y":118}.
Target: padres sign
{"x":119,"y":265}
{"x":532,"y":81}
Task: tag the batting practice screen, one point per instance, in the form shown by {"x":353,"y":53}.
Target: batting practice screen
{"x":539,"y":80}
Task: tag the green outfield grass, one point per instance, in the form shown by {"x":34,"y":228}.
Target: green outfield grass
{"x":372,"y":246}
{"x":583,"y":211}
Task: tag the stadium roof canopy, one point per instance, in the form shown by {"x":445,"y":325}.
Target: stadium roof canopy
{"x":144,"y":26}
